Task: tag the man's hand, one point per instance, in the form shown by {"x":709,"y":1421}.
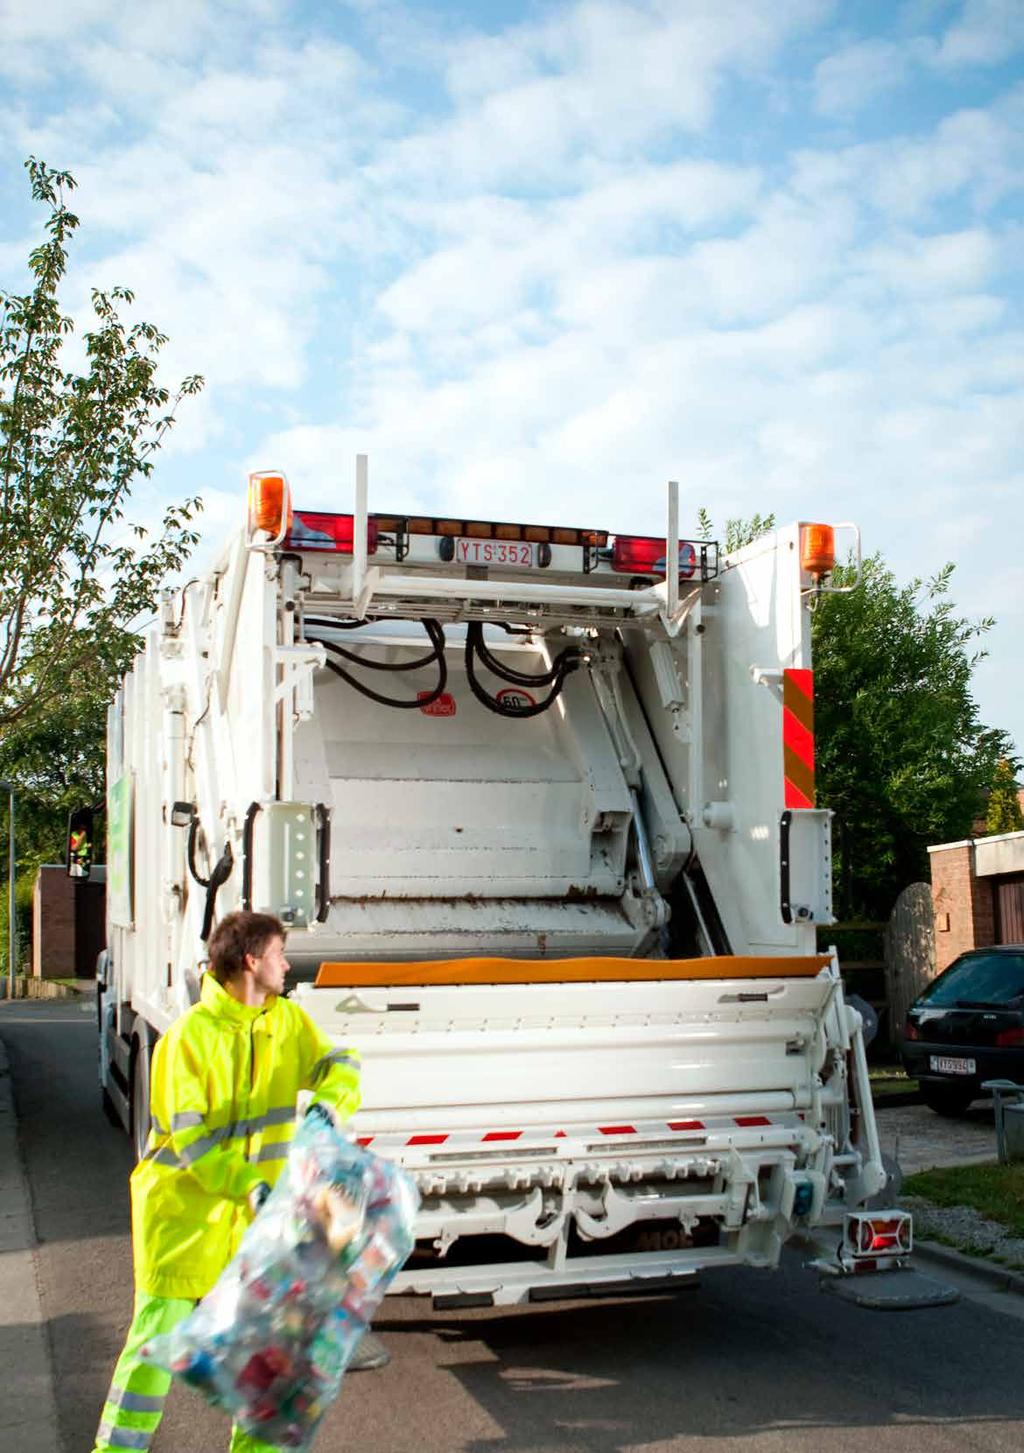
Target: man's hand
{"x":258,"y":1197}
{"x":320,"y":1111}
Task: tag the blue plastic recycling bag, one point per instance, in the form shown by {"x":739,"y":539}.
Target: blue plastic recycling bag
{"x":270,"y":1342}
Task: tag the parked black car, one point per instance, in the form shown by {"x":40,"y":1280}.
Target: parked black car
{"x":967,"y":1027}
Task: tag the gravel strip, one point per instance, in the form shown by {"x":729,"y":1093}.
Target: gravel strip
{"x":967,"y":1230}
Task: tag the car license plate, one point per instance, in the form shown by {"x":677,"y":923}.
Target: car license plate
{"x":943,"y":1064}
{"x":521,"y":553}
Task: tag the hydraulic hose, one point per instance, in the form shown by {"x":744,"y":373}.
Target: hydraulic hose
{"x":193,"y":833}
{"x":564,"y":662}
{"x":569,"y":660}
{"x":221,"y":873}
{"x":436,"y":655}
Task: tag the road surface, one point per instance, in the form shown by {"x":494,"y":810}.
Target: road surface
{"x":751,"y":1362}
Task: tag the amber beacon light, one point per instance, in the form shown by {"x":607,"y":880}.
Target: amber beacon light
{"x":817,"y":549}
{"x":270,"y":504}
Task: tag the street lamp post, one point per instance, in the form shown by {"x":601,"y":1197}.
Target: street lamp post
{"x":8,"y":787}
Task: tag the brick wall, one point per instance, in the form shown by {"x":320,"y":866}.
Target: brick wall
{"x":68,"y":927}
{"x":964,"y":905}
{"x":53,"y":924}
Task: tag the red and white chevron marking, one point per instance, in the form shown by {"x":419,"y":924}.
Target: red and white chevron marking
{"x":644,"y":1130}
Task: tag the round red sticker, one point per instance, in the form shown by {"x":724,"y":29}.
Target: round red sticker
{"x":444,"y":705}
{"x":515,"y":696}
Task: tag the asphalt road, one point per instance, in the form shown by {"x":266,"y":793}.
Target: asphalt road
{"x":763,"y":1361}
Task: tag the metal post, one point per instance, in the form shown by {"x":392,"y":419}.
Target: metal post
{"x":359,"y":551}
{"x":672,"y":552}
{"x":8,"y":787}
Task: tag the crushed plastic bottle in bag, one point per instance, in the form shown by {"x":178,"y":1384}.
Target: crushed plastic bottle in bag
{"x":270,"y":1343}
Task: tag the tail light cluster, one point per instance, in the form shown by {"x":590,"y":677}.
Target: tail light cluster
{"x":877,"y":1234}
{"x":1010,"y":1038}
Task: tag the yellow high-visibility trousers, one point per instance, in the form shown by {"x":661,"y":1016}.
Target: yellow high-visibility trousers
{"x":135,"y":1402}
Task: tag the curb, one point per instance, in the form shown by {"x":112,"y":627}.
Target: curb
{"x":999,"y":1278}
{"x":28,"y":1412}
{"x":29,"y":987}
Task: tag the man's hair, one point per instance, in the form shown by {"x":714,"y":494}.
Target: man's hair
{"x":237,"y":935}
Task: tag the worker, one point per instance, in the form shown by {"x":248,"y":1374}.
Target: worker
{"x":223,"y":1088}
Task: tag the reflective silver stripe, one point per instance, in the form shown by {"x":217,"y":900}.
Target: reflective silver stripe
{"x":167,"y":1155}
{"x":277,"y":1151}
{"x":155,"y":1123}
{"x":282,"y":1115}
{"x":122,"y":1437}
{"x":336,"y":1057}
{"x":135,"y":1402}
{"x":191,"y":1153}
{"x":186,"y":1120}
{"x":163,"y":1155}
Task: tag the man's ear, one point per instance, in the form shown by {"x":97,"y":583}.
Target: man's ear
{"x":250,"y":963}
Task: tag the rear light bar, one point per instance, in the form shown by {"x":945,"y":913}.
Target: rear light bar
{"x":877,"y":1235}
{"x":490,"y":530}
{"x":627,"y":554}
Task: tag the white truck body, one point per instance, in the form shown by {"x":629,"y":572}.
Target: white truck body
{"x":576,"y":950}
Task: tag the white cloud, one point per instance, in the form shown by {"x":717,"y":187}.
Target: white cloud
{"x":987,"y":32}
{"x":852,"y":77}
{"x":572,"y":258}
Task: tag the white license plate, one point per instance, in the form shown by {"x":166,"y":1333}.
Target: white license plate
{"x":521,"y":553}
{"x":942,"y":1064}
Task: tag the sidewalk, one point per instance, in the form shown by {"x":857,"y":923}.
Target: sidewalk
{"x":28,"y":1415}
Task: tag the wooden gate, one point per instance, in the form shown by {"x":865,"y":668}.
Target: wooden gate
{"x":909,"y":951}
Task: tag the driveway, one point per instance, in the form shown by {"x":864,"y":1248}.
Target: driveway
{"x":919,"y":1139}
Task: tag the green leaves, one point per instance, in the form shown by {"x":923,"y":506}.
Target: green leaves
{"x":903,"y":758}
{"x":74,"y":572}
{"x":1004,"y":811}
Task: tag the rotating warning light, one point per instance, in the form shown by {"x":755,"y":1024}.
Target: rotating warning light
{"x":817,"y":549}
{"x":270,"y":503}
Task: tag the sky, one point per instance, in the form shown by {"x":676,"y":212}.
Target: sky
{"x":536,"y":259}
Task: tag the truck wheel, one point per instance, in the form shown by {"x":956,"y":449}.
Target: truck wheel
{"x":140,"y":1098}
{"x":947,"y":1100}
{"x":107,"y":1104}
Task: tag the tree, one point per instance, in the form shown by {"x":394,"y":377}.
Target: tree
{"x":75,"y":575}
{"x":1004,"y":812}
{"x":902,"y":756}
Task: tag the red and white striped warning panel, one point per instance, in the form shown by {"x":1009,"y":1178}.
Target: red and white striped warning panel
{"x":593,"y":1134}
{"x":798,"y":737}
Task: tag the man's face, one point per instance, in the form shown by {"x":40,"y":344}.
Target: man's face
{"x":270,"y":968}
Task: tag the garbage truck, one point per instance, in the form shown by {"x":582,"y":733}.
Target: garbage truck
{"x":537,"y":807}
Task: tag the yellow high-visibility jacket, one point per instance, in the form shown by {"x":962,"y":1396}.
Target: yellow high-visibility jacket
{"x":223,"y":1085}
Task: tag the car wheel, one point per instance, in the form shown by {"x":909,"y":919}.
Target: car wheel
{"x":951,"y":1100}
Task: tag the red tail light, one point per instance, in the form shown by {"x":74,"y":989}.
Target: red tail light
{"x":645,"y":555}
{"x":910,"y":1030}
{"x":1008,"y":1038}
{"x":869,"y":1235}
{"x":310,"y":530}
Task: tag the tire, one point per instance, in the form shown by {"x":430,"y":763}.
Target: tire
{"x":947,"y":1100}
{"x":106,"y":1103}
{"x":140,"y":1098}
